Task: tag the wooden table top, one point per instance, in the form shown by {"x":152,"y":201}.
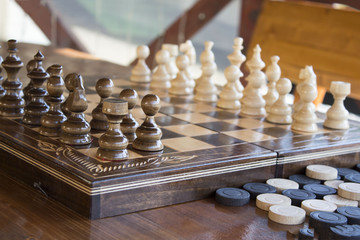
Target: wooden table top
{"x":25,"y":213}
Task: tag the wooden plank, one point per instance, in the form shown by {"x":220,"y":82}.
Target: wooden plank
{"x":311,"y":34}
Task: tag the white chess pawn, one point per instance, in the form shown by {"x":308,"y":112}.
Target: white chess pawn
{"x":141,"y":72}
{"x":337,"y":116}
{"x":280,"y":111}
{"x":180,"y":85}
{"x":161,"y":78}
{"x":237,"y":58}
{"x":253,"y":104}
{"x":206,"y":56}
{"x":206,"y":91}
{"x":305,"y":119}
{"x":255,"y":63}
{"x":173,"y":49}
{"x":229,"y":96}
{"x":273,"y":73}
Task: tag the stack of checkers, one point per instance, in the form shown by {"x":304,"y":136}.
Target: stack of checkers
{"x":318,"y":194}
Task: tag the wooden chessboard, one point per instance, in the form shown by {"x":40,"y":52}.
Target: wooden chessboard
{"x":205,"y":148}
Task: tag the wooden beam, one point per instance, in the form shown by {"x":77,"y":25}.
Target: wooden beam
{"x":51,"y":25}
{"x":190,"y":22}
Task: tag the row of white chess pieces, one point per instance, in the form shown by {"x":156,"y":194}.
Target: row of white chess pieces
{"x":173,"y":73}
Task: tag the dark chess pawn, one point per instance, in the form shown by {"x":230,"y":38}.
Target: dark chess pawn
{"x":149,"y":134}
{"x":70,"y":80}
{"x":2,"y":90}
{"x":75,"y":130}
{"x":29,"y":67}
{"x":12,"y":104}
{"x":52,"y":120}
{"x":112,"y":144}
{"x":129,"y":124}
{"x":37,"y":106}
{"x":104,"y":88}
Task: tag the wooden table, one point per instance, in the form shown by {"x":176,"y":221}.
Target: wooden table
{"x":27,"y":213}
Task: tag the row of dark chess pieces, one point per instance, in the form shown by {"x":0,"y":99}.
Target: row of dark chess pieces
{"x":57,"y":117}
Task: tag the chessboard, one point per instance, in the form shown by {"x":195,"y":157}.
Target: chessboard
{"x":205,"y":148}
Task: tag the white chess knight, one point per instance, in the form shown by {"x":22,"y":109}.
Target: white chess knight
{"x":141,"y":72}
{"x":273,"y":73}
{"x":307,"y":75}
{"x":173,"y":49}
{"x":229,"y":96}
{"x":188,"y":49}
{"x":305,"y":119}
{"x":337,"y":116}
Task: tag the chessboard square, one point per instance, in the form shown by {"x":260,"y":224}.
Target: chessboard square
{"x":276,"y":132}
{"x":170,"y":110}
{"x":218,"y":139}
{"x":199,"y":107}
{"x":189,"y":130}
{"x":195,"y":117}
{"x":249,"y":123}
{"x":248,"y":135}
{"x":222,"y":115}
{"x":133,"y":154}
{"x":186,"y":144}
{"x":170,"y":134}
{"x":168,"y":121}
{"x":220,"y":126}
{"x":178,"y":100}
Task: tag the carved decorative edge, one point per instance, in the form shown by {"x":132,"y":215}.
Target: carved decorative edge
{"x":96,"y":168}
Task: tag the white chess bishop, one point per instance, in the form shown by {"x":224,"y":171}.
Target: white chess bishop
{"x":337,"y":116}
{"x":253,"y":103}
{"x":237,"y":58}
{"x":273,"y":73}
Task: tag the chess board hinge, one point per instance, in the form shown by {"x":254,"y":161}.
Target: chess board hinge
{"x":316,"y":155}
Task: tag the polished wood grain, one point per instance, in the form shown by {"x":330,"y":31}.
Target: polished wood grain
{"x":26,"y":213}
